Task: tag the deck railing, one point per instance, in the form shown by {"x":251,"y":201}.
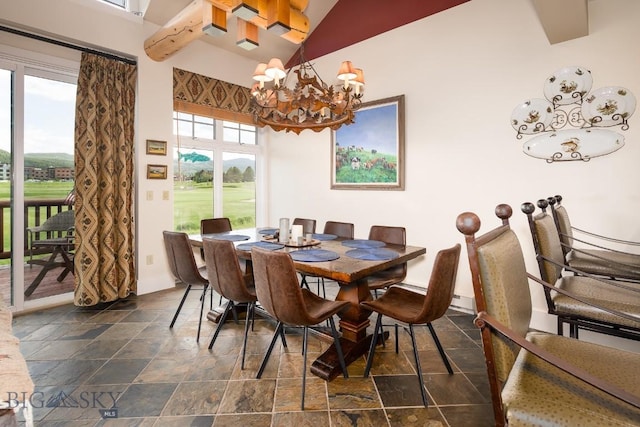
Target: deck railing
{"x":36,"y":211}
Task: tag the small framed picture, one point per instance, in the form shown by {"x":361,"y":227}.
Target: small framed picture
{"x":156,"y":171}
{"x":158,"y":148}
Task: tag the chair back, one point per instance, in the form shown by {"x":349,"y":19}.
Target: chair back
{"x":62,"y":221}
{"x":180,"y":256}
{"x":442,"y":284}
{"x":308,"y":225}
{"x":277,"y":287}
{"x":563,"y":224}
{"x":224,"y":272}
{"x":395,"y":236}
{"x":340,"y":229}
{"x":501,"y":289}
{"x":546,"y":241}
{"x":214,"y":225}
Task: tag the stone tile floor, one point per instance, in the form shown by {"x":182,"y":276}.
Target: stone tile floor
{"x":85,"y":361}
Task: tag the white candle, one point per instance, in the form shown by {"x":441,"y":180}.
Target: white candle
{"x":296,"y":231}
{"x":284,"y":230}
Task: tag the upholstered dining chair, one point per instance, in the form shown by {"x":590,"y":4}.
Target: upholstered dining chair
{"x":393,"y":275}
{"x":282,"y":297}
{"x":343,"y":230}
{"x":308,"y":225}
{"x":537,"y":378}
{"x":413,"y":308}
{"x":184,"y":269}
{"x":227,"y":279}
{"x":590,"y":252}
{"x":571,"y":298}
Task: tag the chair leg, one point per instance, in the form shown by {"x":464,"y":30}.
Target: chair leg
{"x":278,"y":332}
{"x":372,"y":347}
{"x":395,"y":325}
{"x":440,"y":349}
{"x":418,"y":367}
{"x":248,"y":319}
{"x":305,"y":333}
{"x":204,"y":297}
{"x":303,"y":282}
{"x":223,"y":318}
{"x":184,"y":297}
{"x":336,"y":340}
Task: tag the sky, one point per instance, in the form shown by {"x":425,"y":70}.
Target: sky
{"x":374,"y":128}
{"x":49,"y":114}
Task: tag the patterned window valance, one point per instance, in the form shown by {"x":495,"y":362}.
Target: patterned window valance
{"x":197,"y":94}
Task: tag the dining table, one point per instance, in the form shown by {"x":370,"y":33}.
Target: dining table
{"x":348,"y":271}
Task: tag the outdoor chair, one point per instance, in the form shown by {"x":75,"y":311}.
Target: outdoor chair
{"x":280,"y":294}
{"x":413,"y":308}
{"x":537,"y":378}
{"x":184,"y":269}
{"x":58,"y":241}
{"x":581,"y":300}
{"x":593,"y":253}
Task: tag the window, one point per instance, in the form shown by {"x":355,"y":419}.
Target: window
{"x":214,"y":172}
{"x":238,"y":132}
{"x":119,"y":3}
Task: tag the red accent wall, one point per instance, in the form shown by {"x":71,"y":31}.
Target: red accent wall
{"x":352,"y":21}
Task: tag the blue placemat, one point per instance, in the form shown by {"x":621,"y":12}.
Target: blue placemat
{"x":373,"y":254}
{"x":226,"y":236}
{"x":363,"y":244}
{"x":268,"y":231}
{"x":314,"y":255}
{"x":263,"y":245}
{"x":319,"y":236}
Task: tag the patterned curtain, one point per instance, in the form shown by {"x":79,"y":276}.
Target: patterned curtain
{"x":204,"y":96}
{"x":104,"y":264}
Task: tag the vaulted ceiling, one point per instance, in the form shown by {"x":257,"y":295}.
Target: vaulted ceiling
{"x":335,"y":24}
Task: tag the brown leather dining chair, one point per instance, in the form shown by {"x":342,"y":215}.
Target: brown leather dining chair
{"x":227,"y":279}
{"x":184,"y":269}
{"x":393,"y":275}
{"x":343,"y":230}
{"x":308,"y":225}
{"x":414,"y":308}
{"x":282,"y":298}
{"x":212,"y":226}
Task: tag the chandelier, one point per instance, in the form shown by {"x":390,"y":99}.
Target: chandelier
{"x":298,"y":99}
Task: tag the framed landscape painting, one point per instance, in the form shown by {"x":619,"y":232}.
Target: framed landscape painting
{"x":369,"y":153}
{"x":156,"y":171}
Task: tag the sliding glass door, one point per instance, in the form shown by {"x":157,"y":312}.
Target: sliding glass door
{"x":37,"y":109}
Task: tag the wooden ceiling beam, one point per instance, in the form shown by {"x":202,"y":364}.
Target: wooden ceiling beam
{"x":201,"y":15}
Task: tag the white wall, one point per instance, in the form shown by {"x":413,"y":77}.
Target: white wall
{"x":462,"y":72}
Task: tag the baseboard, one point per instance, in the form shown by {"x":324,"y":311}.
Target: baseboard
{"x":466,"y":304}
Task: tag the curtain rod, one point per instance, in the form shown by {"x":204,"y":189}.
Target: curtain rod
{"x":68,"y":45}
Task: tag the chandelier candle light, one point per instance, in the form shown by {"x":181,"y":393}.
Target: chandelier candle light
{"x":305,"y":101}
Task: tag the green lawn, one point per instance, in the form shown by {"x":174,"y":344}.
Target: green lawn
{"x":193,"y":202}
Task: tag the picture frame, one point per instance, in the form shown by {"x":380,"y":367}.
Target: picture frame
{"x":157,"y":171}
{"x":156,"y":148}
{"x":369,"y":153}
